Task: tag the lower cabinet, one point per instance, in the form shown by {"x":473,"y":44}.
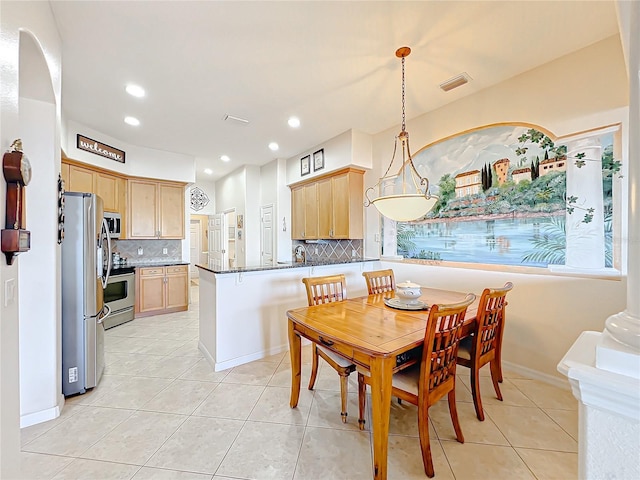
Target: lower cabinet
{"x":162,"y":289}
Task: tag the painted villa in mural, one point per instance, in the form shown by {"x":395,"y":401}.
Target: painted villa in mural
{"x":504,"y":198}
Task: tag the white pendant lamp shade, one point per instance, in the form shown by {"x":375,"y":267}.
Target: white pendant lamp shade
{"x":404,"y":208}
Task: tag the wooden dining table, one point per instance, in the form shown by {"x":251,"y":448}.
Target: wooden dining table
{"x":374,"y":336}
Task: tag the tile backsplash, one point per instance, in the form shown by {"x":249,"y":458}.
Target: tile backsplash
{"x":152,"y":250}
{"x":331,"y":249}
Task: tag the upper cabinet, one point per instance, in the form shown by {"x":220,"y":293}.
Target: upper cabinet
{"x":156,"y":209}
{"x":111,"y":187}
{"x":329,"y":207}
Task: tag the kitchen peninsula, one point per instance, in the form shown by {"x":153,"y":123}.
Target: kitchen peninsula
{"x":243,"y":310}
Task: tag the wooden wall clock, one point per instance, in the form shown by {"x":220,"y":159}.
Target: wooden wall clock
{"x":17,"y":173}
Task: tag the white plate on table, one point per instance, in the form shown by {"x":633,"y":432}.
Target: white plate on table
{"x":397,"y":303}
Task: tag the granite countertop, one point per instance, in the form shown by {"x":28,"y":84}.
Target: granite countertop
{"x":283,"y":265}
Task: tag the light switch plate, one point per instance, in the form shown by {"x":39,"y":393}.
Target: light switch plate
{"x":9,"y":291}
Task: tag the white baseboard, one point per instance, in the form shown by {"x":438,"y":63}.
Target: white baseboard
{"x":536,"y":375}
{"x":218,"y":367}
{"x":43,"y":415}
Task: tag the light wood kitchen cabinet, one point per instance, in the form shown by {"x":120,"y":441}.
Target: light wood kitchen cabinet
{"x":304,"y":219}
{"x":297,"y":212}
{"x":329,"y":207}
{"x":347,"y":205}
{"x":112,"y":188}
{"x":156,"y":209}
{"x":162,"y":289}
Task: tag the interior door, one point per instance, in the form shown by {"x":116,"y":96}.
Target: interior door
{"x":267,"y":234}
{"x":195,"y":247}
{"x":217,"y":251}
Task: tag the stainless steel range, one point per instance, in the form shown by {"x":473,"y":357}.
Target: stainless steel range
{"x":120,"y":295}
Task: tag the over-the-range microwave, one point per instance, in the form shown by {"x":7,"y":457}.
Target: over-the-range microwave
{"x":114,"y":222}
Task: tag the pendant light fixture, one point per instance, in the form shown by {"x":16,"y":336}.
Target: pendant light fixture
{"x":402,"y":196}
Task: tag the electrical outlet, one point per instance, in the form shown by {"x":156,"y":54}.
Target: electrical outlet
{"x":73,"y":374}
{"x":315,"y":250}
{"x":165,"y":251}
{"x":140,"y":251}
{"x":353,"y":252}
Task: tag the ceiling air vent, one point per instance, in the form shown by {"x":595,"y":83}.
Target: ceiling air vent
{"x":455,"y":82}
{"x":234,"y":119}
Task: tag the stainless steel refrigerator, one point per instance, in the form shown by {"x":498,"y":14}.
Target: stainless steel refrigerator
{"x":86,"y":264}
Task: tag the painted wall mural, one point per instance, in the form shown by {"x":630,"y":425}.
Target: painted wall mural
{"x":511,"y":194}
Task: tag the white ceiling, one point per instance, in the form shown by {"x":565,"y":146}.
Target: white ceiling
{"x":332,"y":64}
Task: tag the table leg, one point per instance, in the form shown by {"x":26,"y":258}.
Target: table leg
{"x":381,"y":372}
{"x":295,"y":346}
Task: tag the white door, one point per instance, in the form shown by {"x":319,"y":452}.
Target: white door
{"x":267,"y":234}
{"x":217,"y":244}
{"x":195,"y":247}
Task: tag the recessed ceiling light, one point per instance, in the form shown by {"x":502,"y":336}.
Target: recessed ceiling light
{"x":208,"y":171}
{"x":135,"y":90}
{"x":274,"y":146}
{"x":225,"y":158}
{"x":132,"y":121}
{"x":294,"y":122}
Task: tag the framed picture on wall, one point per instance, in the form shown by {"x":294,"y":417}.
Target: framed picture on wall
{"x":318,"y":160}
{"x":305,"y":165}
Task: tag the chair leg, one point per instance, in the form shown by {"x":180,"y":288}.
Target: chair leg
{"x":425,"y":446}
{"x":314,"y":365}
{"x":495,"y":377}
{"x":344,"y":390}
{"x":475,"y":391}
{"x":362,"y":399}
{"x":453,"y":412}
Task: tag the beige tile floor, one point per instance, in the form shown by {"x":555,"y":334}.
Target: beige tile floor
{"x":160,"y":412}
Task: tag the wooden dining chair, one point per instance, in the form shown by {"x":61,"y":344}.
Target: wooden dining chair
{"x":485,"y":345}
{"x":331,"y":288}
{"x":380,"y":281}
{"x":425,"y":383}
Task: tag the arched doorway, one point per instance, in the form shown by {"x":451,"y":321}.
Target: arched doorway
{"x":39,"y":269}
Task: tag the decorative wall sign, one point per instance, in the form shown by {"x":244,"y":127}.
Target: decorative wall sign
{"x":318,"y":160}
{"x":92,"y":146}
{"x":305,"y":165}
{"x":199,"y":199}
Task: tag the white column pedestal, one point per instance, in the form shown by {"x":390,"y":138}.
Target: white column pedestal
{"x":609,"y":428}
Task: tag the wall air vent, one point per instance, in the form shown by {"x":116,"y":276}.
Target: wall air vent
{"x":455,"y":82}
{"x":234,"y":119}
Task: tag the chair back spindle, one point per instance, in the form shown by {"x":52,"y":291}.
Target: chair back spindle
{"x":327,"y":289}
{"x":380,"y":281}
{"x":443,"y":334}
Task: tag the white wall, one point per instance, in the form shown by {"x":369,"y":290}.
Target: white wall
{"x":568,"y":95}
{"x":251,"y":235}
{"x":283,"y":215}
{"x":40,"y":322}
{"x":31,"y":18}
{"x":348,"y":148}
{"x":139,"y":161}
{"x":230,"y":194}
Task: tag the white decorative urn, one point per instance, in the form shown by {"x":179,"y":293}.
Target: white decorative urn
{"x":408,"y":291}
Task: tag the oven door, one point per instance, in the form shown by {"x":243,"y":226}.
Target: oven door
{"x":120,"y":292}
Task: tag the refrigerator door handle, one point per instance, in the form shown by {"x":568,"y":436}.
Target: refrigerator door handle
{"x":103,"y":316}
{"x":105,"y":278}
